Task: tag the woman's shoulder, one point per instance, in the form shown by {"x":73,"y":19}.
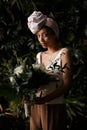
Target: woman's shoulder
{"x":65,"y":50}
{"x":38,"y":54}
{"x":65,"y":53}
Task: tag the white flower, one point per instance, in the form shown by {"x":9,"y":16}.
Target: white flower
{"x":12,"y":80}
{"x":38,"y":66}
{"x":18,"y":70}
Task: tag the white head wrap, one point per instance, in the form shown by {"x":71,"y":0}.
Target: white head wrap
{"x":36,"y":20}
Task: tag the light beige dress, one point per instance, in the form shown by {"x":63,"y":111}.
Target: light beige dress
{"x":51,"y":115}
{"x":49,"y":88}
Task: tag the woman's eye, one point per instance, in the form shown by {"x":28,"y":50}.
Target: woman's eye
{"x":45,"y":34}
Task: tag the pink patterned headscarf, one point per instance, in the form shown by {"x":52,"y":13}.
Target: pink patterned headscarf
{"x":36,"y":20}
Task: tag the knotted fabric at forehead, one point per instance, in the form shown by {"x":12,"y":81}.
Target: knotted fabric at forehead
{"x":37,"y":19}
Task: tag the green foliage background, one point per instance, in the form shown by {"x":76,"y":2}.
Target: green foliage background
{"x":15,"y":37}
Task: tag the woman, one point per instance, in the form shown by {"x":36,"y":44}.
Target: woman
{"x":49,"y":113}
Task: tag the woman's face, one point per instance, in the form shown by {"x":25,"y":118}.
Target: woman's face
{"x":46,"y":38}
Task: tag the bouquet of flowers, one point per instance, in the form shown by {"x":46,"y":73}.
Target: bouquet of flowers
{"x":27,"y":79}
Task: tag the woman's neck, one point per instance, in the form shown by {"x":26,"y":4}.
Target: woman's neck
{"x":54,"y":48}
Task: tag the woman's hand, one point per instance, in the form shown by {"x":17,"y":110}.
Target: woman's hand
{"x":39,"y":100}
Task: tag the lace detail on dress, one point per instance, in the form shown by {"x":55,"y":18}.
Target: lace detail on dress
{"x":57,"y":59}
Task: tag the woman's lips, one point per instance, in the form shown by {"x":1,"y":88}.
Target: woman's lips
{"x":43,"y":43}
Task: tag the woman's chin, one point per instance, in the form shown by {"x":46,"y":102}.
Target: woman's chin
{"x":44,"y":46}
